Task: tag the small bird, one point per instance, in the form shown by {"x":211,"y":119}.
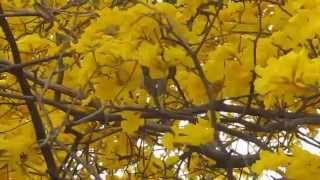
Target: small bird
{"x":45,"y":12}
{"x":156,"y":87}
{"x":170,"y":1}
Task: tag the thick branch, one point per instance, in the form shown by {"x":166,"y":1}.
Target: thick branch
{"x":225,"y":160}
{"x":35,"y":116}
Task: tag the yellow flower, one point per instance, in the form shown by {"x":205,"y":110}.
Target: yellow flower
{"x":191,"y":134}
{"x":132,"y":122}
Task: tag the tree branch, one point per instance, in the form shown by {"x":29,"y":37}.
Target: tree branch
{"x":25,"y":88}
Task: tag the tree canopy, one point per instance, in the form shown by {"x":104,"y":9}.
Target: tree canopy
{"x":142,"y":89}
